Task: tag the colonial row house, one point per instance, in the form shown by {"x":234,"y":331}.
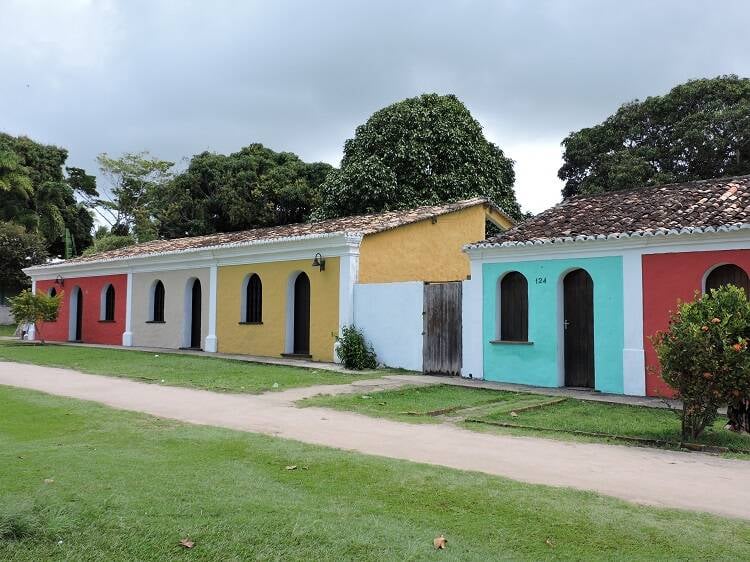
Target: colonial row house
{"x":284,"y":290}
{"x":572,"y":296}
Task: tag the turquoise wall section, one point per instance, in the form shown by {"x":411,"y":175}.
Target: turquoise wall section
{"x":540,"y":362}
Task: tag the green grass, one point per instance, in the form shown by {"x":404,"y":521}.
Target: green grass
{"x":124,"y":486}
{"x":570,"y":415}
{"x":173,"y":369}
{"x":7,"y":329}
{"x":419,"y":404}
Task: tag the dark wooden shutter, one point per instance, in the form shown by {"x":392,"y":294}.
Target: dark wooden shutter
{"x":254,"y":300}
{"x":158,"y":313}
{"x":514,"y":307}
{"x":109,"y":304}
{"x":728,"y":274}
{"x":578,"y":307}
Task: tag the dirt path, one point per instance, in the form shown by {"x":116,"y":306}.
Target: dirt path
{"x":671,"y":479}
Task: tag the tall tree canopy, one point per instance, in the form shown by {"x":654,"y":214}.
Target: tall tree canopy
{"x":699,"y":130}
{"x":39,"y":193}
{"x":252,"y":188}
{"x":19,"y":248}
{"x":419,"y":151}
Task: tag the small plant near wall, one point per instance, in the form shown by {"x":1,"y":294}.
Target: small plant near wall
{"x":30,"y":308}
{"x":704,"y":357}
{"x":354,"y":351}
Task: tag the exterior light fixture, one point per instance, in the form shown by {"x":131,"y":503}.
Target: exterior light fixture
{"x":60,"y":281}
{"x":319,"y":261}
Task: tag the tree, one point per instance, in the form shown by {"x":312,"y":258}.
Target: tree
{"x":419,"y":151}
{"x":135,"y":180}
{"x":30,"y":308}
{"x":699,"y":130}
{"x":18,"y":249}
{"x":108,"y":242}
{"x":252,"y":188}
{"x":704,"y":356}
{"x":39,"y":195}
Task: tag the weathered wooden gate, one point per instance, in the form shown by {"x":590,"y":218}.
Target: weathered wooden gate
{"x":442,"y":328}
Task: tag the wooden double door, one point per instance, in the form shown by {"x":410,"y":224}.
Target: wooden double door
{"x":578,"y":329}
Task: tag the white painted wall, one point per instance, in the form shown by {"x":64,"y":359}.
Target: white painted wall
{"x":471,"y":309}
{"x":390,"y":315}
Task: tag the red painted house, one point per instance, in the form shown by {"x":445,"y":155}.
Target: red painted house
{"x":92,"y":311}
{"x":670,"y":277}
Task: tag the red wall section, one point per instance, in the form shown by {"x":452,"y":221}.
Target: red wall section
{"x":667,"y":278}
{"x":92,"y":330}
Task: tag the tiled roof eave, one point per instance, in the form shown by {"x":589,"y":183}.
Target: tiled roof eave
{"x":611,"y":236}
{"x":349,"y":237}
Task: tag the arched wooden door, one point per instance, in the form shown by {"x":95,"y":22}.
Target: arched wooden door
{"x":302,"y":315}
{"x":578,"y":322}
{"x":78,"y":332}
{"x":195,"y":315}
{"x":728,"y":274}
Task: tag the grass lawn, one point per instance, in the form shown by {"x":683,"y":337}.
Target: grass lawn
{"x":7,"y":329}
{"x":84,"y":482}
{"x":420,"y":404}
{"x":496,"y":406}
{"x":173,"y":369}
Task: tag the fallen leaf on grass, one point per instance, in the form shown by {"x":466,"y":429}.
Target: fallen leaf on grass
{"x":292,"y":467}
{"x":49,"y":480}
{"x":187,"y":543}
{"x":513,"y":415}
{"x":275,"y":385}
{"x":440,"y":542}
{"x":550,"y":543}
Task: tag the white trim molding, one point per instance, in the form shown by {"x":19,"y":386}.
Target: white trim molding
{"x":472,"y":325}
{"x":127,"y":336}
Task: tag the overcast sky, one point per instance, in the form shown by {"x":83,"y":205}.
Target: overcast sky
{"x":177,"y":78}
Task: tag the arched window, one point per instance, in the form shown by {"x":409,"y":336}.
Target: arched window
{"x":253,"y":310}
{"x":157,"y":302}
{"x":514,"y":307}
{"x":107,"y":313}
{"x":728,"y":274}
{"x":52,"y":292}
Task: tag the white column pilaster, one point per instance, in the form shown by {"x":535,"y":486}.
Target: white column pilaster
{"x":348,"y":276}
{"x":472,"y":333}
{"x":31,"y":334}
{"x":212,"y":344}
{"x":127,"y":335}
{"x":633,"y":358}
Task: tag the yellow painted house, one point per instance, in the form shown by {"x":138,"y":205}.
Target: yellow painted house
{"x":284,"y":290}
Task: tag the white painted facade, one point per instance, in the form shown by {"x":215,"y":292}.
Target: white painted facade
{"x":390,"y":315}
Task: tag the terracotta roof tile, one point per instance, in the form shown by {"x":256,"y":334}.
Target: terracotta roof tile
{"x":697,"y":205}
{"x":356,"y":225}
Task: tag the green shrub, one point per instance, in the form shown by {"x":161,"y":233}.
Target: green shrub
{"x":355,"y":353}
{"x":31,"y":308}
{"x":704,"y":355}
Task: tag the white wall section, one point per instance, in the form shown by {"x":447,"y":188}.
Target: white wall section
{"x":390,"y":315}
{"x":473,"y":362}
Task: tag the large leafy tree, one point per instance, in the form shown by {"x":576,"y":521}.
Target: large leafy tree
{"x":422,"y":150}
{"x":699,"y":130}
{"x":254,"y":187}
{"x":39,"y":193}
{"x":135,"y":181}
{"x":19,"y":248}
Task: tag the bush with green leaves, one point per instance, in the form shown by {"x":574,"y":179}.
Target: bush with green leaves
{"x":704,"y":356}
{"x":354,"y":351}
{"x":35,"y":308}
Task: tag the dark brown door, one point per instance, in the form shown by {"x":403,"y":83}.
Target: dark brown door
{"x":728,"y":274}
{"x":79,"y":315}
{"x":195,"y":315}
{"x":578,"y":308}
{"x":441,"y":347}
{"x":302,"y":315}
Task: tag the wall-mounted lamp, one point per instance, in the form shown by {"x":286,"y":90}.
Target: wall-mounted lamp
{"x":60,"y":281}
{"x":319,"y":261}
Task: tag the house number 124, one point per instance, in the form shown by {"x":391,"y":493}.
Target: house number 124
{"x":541,"y":280}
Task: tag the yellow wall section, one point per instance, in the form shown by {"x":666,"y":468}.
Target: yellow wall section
{"x":425,"y":251}
{"x":268,"y":338}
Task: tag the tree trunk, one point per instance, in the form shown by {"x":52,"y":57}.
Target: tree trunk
{"x":739,"y":416}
